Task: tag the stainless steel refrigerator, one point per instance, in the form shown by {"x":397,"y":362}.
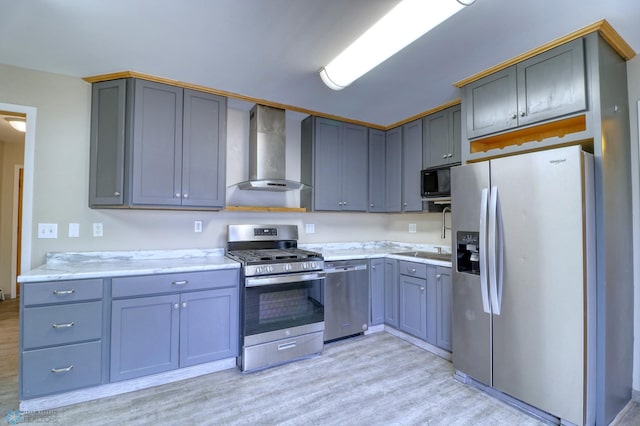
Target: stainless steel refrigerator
{"x":524,"y":280}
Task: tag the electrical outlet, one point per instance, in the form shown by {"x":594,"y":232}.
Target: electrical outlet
{"x":412,"y":228}
{"x":74,"y":230}
{"x":197,"y":226}
{"x":47,"y":230}
{"x":310,"y":228}
{"x":97,"y":230}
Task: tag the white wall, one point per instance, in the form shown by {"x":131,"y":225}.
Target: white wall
{"x":633,"y":77}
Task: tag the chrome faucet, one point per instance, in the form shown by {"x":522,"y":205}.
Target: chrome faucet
{"x":443,"y":235}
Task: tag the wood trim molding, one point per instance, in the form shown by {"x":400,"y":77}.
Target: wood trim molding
{"x":156,"y":79}
{"x":603,"y":27}
{"x":425,"y":113}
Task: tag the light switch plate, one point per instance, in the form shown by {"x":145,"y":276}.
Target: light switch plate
{"x":310,"y":228}
{"x":47,"y":230}
{"x":412,"y":228}
{"x":197,"y":226}
{"x":74,"y":230}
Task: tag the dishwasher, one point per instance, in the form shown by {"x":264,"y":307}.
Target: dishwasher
{"x":346,"y":301}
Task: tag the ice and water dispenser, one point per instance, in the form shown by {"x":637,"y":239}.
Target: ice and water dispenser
{"x":468,"y":244}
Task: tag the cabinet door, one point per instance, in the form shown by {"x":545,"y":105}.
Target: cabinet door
{"x":413,"y":306}
{"x":376,"y":289}
{"x":444,"y":295}
{"x":393,"y":170}
{"x":411,"y":166}
{"x":208,"y":326}
{"x":355,"y":168}
{"x":552,"y":84}
{"x":432,"y":305}
{"x":327,"y":165}
{"x":492,"y":103}
{"x":157,"y":144}
{"x":377,"y":177}
{"x":106,"y":179}
{"x":455,"y":141}
{"x":144,"y":336}
{"x":391,"y":292}
{"x":204,"y":150}
{"x":436,"y":139}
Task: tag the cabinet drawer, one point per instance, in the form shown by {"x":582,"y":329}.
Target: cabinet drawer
{"x":59,"y":369}
{"x":61,"y":324}
{"x":170,"y":283}
{"x":413,"y":269}
{"x":61,"y":291}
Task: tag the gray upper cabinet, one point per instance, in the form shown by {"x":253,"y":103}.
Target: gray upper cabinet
{"x":335,"y":163}
{"x":411,"y":166}
{"x":442,"y":138}
{"x":549,"y":85}
{"x":393,"y":170}
{"x":156,"y":145}
{"x":385,"y":170}
{"x":377,"y":168}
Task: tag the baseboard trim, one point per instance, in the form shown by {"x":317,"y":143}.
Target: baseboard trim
{"x":419,"y":343}
{"x":111,"y":389}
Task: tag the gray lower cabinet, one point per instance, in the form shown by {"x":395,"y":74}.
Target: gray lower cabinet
{"x":443,"y":305}
{"x":335,"y":165}
{"x":391,"y":292}
{"x":442,"y":140}
{"x":411,"y":166}
{"x":376,"y":290}
{"x":156,"y":145}
{"x":61,"y":336}
{"x":549,"y":85}
{"x":163,"y":332}
{"x":418,"y":300}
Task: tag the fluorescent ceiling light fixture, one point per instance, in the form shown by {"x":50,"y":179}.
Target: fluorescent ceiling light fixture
{"x":17,"y":123}
{"x":405,"y":23}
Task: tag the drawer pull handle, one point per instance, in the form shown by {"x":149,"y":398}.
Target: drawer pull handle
{"x":412,"y":270}
{"x":182,"y":282}
{"x":288,"y":345}
{"x":63,"y":292}
{"x":62,"y":370}
{"x":67,"y":325}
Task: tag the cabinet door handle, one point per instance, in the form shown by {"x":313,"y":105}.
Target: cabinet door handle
{"x":116,"y":194}
{"x":421,"y":288}
{"x":523,"y":113}
{"x":62,"y":370}
{"x":178,"y":195}
{"x":185,"y":195}
{"x":63,"y":292}
{"x":67,"y":325}
{"x":184,"y":304}
{"x":444,"y":155}
{"x":176,"y":306}
{"x":450,"y":155}
{"x":371,"y":205}
{"x":181,"y":282}
{"x":514,"y":116}
{"x":373,"y":267}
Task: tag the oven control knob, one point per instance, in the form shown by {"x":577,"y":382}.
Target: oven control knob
{"x":286,"y":267}
{"x":258,"y":269}
{"x":269,"y":269}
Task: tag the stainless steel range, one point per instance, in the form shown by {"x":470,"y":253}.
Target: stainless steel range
{"x":282,"y":302}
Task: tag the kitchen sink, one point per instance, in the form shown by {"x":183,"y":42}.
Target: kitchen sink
{"x":426,"y":255}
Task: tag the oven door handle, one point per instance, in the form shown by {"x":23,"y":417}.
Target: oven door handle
{"x":283,"y":279}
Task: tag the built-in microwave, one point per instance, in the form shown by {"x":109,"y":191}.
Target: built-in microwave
{"x":435,"y":182}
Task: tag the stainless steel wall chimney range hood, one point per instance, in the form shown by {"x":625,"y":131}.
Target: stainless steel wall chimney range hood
{"x":267,"y":151}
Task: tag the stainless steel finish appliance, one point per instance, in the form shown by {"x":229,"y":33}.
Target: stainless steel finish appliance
{"x":282,"y":310}
{"x":346,"y":301}
{"x":524,"y":282}
{"x":435,"y":182}
{"x":267,"y":151}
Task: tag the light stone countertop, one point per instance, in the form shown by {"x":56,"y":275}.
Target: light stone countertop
{"x":106,"y":264}
{"x":79,"y":265}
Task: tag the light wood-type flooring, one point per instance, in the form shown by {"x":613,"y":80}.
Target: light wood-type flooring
{"x":369,"y":380}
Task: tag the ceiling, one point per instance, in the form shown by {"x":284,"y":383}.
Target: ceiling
{"x":272,"y":49}
{"x":7,"y":133}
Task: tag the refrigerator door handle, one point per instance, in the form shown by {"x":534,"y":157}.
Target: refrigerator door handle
{"x":496,"y":252}
{"x":484,"y":270}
